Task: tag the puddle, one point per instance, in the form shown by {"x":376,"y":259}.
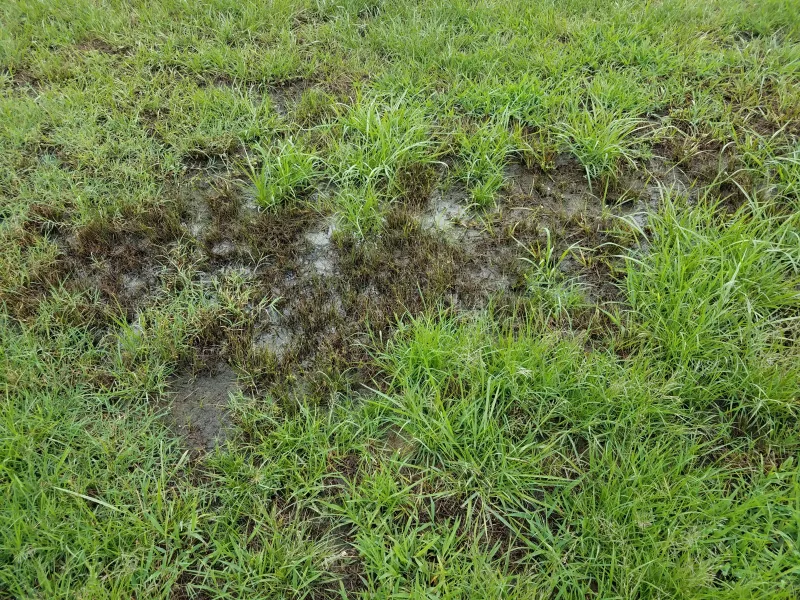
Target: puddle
{"x":224,"y":249}
{"x":277,"y":340}
{"x":135,"y":285}
{"x":199,"y":219}
{"x":490,"y":277}
{"x":562,"y":192}
{"x":198,"y":410}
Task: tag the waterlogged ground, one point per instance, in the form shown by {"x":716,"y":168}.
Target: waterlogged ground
{"x":360,"y":299}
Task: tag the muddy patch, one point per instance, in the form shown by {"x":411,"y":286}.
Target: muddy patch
{"x":198,"y":409}
{"x":446,"y":210}
{"x":101,"y":46}
{"x":562,"y":192}
{"x":139,"y":283}
{"x":542,"y":208}
{"x":272,"y":334}
{"x":306,"y":305}
{"x":276,"y":338}
{"x":320,"y":256}
{"x":285,"y":97}
{"x":127,"y":265}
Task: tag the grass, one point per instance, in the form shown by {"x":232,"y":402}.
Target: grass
{"x":286,"y":174}
{"x":461,"y":371}
{"x":485,"y":151}
{"x":376,"y":138}
{"x":732,"y":295}
{"x":548,"y":285}
{"x":601,"y":141}
{"x":359,"y":214}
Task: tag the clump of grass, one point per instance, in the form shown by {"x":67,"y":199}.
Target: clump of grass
{"x":359,"y":212}
{"x":376,"y":138}
{"x":211,"y":121}
{"x":602,"y":140}
{"x":775,"y":167}
{"x":548,"y":285}
{"x":785,"y":175}
{"x":378,"y":143}
{"x":483,"y":152}
{"x":287,"y":174}
{"x":349,"y":8}
{"x":144,"y":350}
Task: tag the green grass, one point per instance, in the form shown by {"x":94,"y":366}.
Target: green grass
{"x":715,"y":301}
{"x":485,"y":151}
{"x":601,"y":141}
{"x":550,"y":288}
{"x":287,"y":173}
{"x":618,"y":419}
{"x":376,"y":138}
{"x":358,"y":212}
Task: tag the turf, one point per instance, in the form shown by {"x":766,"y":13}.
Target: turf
{"x":468,"y":299}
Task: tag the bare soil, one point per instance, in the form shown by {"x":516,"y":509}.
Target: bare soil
{"x":198,"y":407}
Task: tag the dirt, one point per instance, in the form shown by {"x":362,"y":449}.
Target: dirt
{"x":198,"y":408}
{"x":273,"y":335}
{"x":285,"y":97}
{"x":101,"y":46}
{"x":321,"y":256}
{"x":446,"y":209}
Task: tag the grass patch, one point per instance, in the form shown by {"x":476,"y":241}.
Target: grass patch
{"x":601,"y":140}
{"x":715,"y":302}
{"x":376,"y":138}
{"x":484,"y":152}
{"x":359,"y":213}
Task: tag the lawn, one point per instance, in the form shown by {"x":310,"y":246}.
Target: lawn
{"x":371,"y":299}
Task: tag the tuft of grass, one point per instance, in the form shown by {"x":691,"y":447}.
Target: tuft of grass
{"x":286,"y":175}
{"x":359,"y":213}
{"x":376,"y":138}
{"x":775,"y":168}
{"x":483,"y":153}
{"x":208,"y":121}
{"x":602,"y":140}
{"x":548,"y":285}
{"x":314,"y":107}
